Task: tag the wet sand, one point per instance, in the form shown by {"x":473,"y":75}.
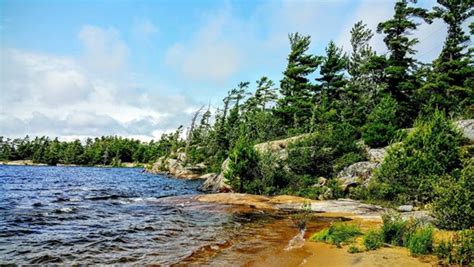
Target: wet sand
{"x":308,"y":253}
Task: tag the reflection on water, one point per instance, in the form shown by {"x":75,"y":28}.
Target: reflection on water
{"x":117,"y":215}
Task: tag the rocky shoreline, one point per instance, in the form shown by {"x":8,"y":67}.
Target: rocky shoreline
{"x":309,"y":253}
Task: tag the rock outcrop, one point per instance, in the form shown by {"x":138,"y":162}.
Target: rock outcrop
{"x":176,"y":166}
{"x":357,"y":174}
{"x":467,"y":129}
{"x":217,"y":182}
{"x":278,"y":147}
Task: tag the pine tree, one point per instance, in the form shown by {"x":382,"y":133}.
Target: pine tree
{"x":452,"y":80}
{"x":399,"y":77}
{"x":332,"y":72}
{"x":361,"y":50}
{"x":294,"y":108}
{"x":265,"y":93}
{"x":362,"y":91}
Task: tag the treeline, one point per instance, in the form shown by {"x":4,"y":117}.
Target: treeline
{"x":338,"y":100}
{"x":106,"y":150}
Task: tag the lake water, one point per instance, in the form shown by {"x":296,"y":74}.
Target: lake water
{"x":122,"y":215}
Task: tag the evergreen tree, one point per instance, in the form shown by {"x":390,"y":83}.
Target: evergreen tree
{"x":265,"y":93}
{"x":398,"y":72}
{"x":332,"y":73}
{"x":361,"y":50}
{"x":451,"y":83}
{"x":362,"y":91}
{"x":294,"y":108}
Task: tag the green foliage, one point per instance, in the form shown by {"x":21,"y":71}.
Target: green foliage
{"x":354,"y":249}
{"x":401,"y":63}
{"x":394,"y":229}
{"x":337,"y":234}
{"x":373,"y":239}
{"x":381,"y":125}
{"x":332,"y":73}
{"x":420,"y":242}
{"x":106,"y":150}
{"x":294,"y":108}
{"x":453,"y":206}
{"x":413,"y":167}
{"x":317,"y":154}
{"x":450,"y":83}
{"x":243,"y":166}
{"x":458,"y":250}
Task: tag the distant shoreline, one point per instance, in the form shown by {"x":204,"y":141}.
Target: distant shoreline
{"x":31,"y":163}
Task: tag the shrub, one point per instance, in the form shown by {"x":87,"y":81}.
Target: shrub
{"x":381,"y":123}
{"x":354,"y":249}
{"x":273,"y":173}
{"x":337,"y":234}
{"x":453,"y":207}
{"x":331,"y":145}
{"x":243,"y":167}
{"x":373,"y":239}
{"x":412,"y":168}
{"x":393,"y":228}
{"x":459,"y":250}
{"x":421,"y":241}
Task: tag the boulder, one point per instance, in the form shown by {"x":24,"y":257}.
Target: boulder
{"x":467,"y":129}
{"x":321,"y":182}
{"x":217,"y":183}
{"x":357,"y":174}
{"x":405,"y":208}
{"x":376,"y":154}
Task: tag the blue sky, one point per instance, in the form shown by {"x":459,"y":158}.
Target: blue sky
{"x":140,"y":68}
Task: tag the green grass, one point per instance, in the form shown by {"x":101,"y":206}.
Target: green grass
{"x":337,"y":234}
{"x":421,"y":241}
{"x":354,"y":249}
{"x":373,"y":239}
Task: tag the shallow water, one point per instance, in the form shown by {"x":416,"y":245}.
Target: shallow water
{"x":122,"y":215}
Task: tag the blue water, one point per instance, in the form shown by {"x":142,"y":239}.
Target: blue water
{"x":94,"y":215}
{"x":85,"y":215}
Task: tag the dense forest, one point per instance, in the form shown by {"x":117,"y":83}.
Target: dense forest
{"x":337,"y":101}
{"x":106,"y":150}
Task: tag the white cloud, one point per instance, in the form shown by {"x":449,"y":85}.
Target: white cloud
{"x":208,"y":54}
{"x":104,"y":50}
{"x":52,"y":95}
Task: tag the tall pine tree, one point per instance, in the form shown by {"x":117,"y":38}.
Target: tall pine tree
{"x":400,"y":65}
{"x":294,"y":108}
{"x":451,"y":83}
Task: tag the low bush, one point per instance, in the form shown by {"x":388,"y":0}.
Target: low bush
{"x":453,"y":207}
{"x":420,"y":242}
{"x":322,"y":154}
{"x":393,"y":229}
{"x":458,"y":250}
{"x":413,"y":167}
{"x":354,"y":249}
{"x":337,"y":234}
{"x":373,"y":239}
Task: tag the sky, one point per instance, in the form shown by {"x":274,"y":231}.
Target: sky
{"x":80,"y":68}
